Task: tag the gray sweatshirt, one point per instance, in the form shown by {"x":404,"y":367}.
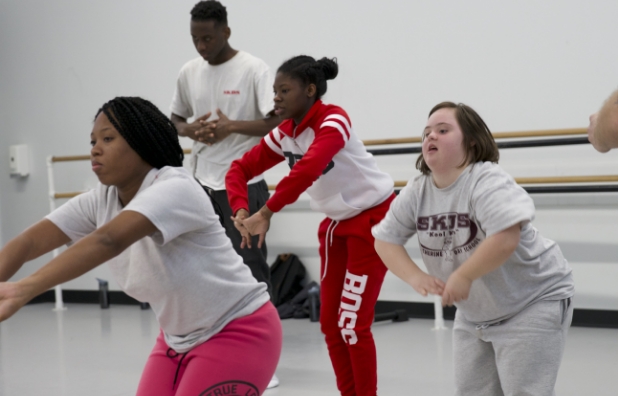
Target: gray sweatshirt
{"x":451,"y":222}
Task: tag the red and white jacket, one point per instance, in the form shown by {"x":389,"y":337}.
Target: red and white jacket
{"x":327,"y":160}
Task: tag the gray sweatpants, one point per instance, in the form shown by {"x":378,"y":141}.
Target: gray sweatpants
{"x":516,"y":357}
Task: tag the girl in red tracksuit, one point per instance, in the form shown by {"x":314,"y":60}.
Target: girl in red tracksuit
{"x":330,"y":163}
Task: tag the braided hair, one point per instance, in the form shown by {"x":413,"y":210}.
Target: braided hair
{"x":148,"y":131}
{"x":211,"y":9}
{"x":309,"y":71}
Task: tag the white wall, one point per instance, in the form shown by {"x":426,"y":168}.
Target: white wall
{"x":523,"y":65}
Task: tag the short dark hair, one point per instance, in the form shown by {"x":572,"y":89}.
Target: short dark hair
{"x":477,"y":138}
{"x":210,"y":9}
{"x":146,"y":129}
{"x":309,"y":71}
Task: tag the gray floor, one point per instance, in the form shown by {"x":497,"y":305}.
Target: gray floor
{"x":88,"y":351}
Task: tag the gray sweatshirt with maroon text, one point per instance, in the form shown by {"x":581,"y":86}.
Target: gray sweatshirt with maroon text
{"x":451,"y":222}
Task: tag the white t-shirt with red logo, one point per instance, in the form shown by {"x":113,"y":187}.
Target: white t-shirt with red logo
{"x":242,"y":88}
{"x":451,"y":222}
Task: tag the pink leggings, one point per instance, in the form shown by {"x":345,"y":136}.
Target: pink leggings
{"x":239,"y":360}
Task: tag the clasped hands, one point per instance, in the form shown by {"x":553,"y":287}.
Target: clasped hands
{"x":210,"y":132}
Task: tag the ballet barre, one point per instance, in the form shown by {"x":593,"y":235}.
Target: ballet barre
{"x":568,"y":141}
{"x":59,"y":304}
{"x":497,"y":135}
{"x":518,"y":180}
{"x":540,"y":180}
{"x":380,"y":142}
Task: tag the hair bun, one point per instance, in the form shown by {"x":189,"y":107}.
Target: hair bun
{"x":329,"y":67}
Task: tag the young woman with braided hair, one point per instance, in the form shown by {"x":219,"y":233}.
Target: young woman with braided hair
{"x":165,"y":246}
{"x":331,"y":164}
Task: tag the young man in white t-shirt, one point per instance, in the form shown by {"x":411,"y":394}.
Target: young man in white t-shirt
{"x":238,"y":88}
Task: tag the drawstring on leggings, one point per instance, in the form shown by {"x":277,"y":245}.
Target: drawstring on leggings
{"x":328,"y":243}
{"x":172,"y":354}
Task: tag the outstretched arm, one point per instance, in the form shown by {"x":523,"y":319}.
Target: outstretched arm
{"x":399,"y":263}
{"x":255,"y":162}
{"x":88,"y":253}
{"x":41,"y":238}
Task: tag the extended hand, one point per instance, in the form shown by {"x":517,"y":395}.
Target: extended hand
{"x":217,"y":130}
{"x":257,"y":224}
{"x":426,"y":284}
{"x":241,"y":215}
{"x":592,"y":137}
{"x":12,"y":298}
{"x":457,"y":289}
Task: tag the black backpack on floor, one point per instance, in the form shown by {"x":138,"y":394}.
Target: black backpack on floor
{"x":302,"y":306}
{"x":287,"y":277}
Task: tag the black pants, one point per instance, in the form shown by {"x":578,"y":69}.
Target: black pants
{"x":254,"y":257}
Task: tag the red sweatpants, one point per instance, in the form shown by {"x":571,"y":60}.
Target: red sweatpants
{"x":239,"y":360}
{"x":352,"y":275}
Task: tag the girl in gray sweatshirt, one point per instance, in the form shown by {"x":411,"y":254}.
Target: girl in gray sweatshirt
{"x":512,"y":287}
